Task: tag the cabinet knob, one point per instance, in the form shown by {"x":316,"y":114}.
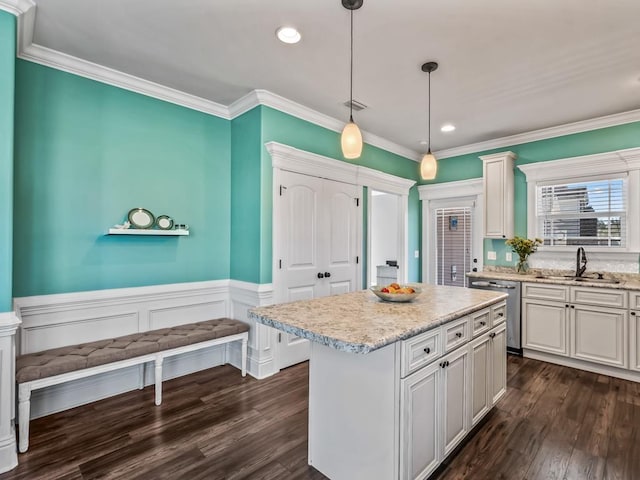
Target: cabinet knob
{"x":566,"y":306}
{"x":483,"y":323}
{"x":443,"y":364}
{"x":573,"y":306}
{"x":427,"y":350}
{"x":447,"y":363}
{"x":320,"y":275}
{"x":501,"y":314}
{"x":492,"y":335}
{"x":633,"y":313}
{"x":459,"y":334}
{"x":327,"y":274}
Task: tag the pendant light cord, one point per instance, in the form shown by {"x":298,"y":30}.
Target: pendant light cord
{"x":429,"y":124}
{"x":351,"y":74}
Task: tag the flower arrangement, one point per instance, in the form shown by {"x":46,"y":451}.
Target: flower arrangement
{"x":523,"y":247}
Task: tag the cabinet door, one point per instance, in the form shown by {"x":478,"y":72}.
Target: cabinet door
{"x":419,"y":446}
{"x":481,"y":354}
{"x":498,"y":194}
{"x":545,"y":326}
{"x":498,"y":364}
{"x":634,"y":335}
{"x":598,"y":335}
{"x":455,"y":400}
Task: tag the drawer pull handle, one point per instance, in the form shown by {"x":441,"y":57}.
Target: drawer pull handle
{"x":459,"y":334}
{"x":427,"y":350}
{"x":483,"y":323}
{"x":501,"y":314}
{"x":492,"y":335}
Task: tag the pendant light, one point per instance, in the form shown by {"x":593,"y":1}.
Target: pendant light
{"x":351,"y":139}
{"x":429,"y":165}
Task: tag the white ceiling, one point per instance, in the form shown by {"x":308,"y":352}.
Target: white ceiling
{"x":506,"y":66}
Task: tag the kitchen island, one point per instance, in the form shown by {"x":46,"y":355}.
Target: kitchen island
{"x":394,"y":387}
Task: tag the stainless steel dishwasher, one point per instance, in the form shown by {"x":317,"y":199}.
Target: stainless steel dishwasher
{"x":514,"y":338}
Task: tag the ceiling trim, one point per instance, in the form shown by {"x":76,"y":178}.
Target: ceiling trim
{"x":282,"y":104}
{"x":543,"y":134}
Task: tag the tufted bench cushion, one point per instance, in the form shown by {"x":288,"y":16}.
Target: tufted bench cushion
{"x":56,"y":361}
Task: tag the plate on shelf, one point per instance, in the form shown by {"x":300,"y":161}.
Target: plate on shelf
{"x":164,"y":222}
{"x":141,"y":218}
{"x":398,"y":296}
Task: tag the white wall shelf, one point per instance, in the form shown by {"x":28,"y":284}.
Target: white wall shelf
{"x":140,"y":231}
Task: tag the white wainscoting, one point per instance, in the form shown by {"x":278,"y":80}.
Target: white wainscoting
{"x":50,"y":321}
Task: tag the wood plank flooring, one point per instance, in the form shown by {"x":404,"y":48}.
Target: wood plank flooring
{"x":554,"y":423}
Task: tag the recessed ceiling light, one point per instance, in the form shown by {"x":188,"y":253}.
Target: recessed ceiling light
{"x":447,"y":128}
{"x":423,"y":142}
{"x":288,"y":35}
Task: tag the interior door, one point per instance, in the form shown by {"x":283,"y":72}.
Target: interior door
{"x":454,"y":243}
{"x":317,"y":247}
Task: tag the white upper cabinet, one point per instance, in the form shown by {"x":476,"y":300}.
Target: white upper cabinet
{"x":497,"y":173}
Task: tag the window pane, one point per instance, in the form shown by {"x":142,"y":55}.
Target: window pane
{"x":582,"y":213}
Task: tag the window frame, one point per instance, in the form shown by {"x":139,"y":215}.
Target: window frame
{"x":620,"y":164}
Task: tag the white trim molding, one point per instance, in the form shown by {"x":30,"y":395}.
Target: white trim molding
{"x":543,"y":134}
{"x":17,"y":7}
{"x":9,"y":324}
{"x":450,"y":194}
{"x":615,"y":162}
{"x":308,"y":163}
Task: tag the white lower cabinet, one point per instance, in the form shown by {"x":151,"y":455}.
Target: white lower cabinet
{"x":455,"y":387}
{"x":634,"y":336}
{"x":488,"y":372}
{"x":545,"y":326}
{"x":420,"y":397}
{"x":598,"y":335}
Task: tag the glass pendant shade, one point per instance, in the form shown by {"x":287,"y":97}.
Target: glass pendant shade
{"x":351,"y":141}
{"x":428,"y":166}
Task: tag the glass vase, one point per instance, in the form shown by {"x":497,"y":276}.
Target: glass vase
{"x":522,"y":266}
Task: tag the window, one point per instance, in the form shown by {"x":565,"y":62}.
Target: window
{"x":586,"y":213}
{"x":453,"y":245}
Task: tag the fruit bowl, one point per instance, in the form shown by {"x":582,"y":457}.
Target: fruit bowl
{"x":396,"y":297}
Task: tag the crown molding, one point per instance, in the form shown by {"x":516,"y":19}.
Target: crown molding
{"x":282,"y":104}
{"x":543,"y":134}
{"x":77,"y":66}
{"x":16,"y":7}
{"x":460,"y":188}
{"x":587,"y":165}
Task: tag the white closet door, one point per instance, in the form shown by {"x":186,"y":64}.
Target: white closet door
{"x":317,"y":232}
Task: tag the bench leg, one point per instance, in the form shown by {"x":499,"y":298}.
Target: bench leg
{"x":24,"y":408}
{"x":244,"y":356}
{"x":142,"y":370}
{"x":159,"y":361}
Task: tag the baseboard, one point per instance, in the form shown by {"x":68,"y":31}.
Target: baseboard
{"x":582,"y":365}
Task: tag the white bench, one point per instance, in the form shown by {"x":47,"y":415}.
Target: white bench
{"x":60,"y":365}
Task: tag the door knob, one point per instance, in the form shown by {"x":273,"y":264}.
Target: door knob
{"x":327,"y":274}
{"x":320,"y":275}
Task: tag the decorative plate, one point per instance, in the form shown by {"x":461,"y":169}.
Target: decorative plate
{"x":141,"y":218}
{"x":396,"y":297}
{"x":164,"y":222}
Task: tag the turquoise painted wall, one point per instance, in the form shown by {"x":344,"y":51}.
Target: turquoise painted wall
{"x":586,"y":143}
{"x":7,"y":85}
{"x":246,"y":185}
{"x":85,"y":154}
{"x":283,"y":128}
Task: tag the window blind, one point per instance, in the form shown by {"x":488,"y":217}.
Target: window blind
{"x":453,"y":245}
{"x":587,"y":213}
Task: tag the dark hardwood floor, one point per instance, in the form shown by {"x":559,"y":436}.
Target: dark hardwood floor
{"x":554,"y":423}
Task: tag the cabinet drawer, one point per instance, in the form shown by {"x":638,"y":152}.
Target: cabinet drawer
{"x":543,"y":291}
{"x":420,"y":350}
{"x":605,"y":297}
{"x":455,"y":334}
{"x":498,"y":313}
{"x":480,"y":321}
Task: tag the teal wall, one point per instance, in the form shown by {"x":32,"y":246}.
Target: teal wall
{"x":85,"y":154}
{"x":586,"y":143}
{"x":7,"y":84}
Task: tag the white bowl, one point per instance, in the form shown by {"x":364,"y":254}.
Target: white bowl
{"x":396,"y":297}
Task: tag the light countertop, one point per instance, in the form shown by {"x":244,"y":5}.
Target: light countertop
{"x":627,"y":282}
{"x":360,"y":322}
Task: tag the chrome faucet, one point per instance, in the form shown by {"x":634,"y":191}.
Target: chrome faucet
{"x":581,"y":262}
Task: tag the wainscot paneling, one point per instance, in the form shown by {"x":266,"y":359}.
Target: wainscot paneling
{"x":50,"y":321}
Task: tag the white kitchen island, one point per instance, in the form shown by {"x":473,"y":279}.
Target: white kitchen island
{"x":394,"y":387}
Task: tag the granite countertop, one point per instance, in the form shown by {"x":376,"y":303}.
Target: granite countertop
{"x":627,"y":281}
{"x":360,"y":322}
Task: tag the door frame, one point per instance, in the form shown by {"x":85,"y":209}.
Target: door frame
{"x":452,"y":194}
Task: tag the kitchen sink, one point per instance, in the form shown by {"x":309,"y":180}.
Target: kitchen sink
{"x":578,"y":279}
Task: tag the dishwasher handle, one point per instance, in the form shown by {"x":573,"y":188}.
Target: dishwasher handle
{"x":492,"y":285}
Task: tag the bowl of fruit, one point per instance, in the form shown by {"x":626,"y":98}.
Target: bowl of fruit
{"x":395,"y":292}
